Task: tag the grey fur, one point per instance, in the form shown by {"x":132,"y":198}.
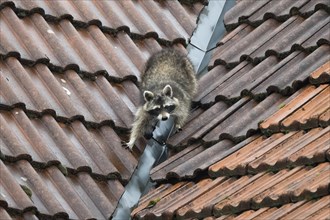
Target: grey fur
{"x":168,"y":80}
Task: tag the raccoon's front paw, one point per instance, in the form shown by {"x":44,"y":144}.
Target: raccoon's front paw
{"x":127,"y":145}
{"x":148,"y":135}
{"x":178,"y":128}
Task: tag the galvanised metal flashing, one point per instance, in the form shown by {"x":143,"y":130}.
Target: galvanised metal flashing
{"x":209,"y":30}
{"x":154,"y":153}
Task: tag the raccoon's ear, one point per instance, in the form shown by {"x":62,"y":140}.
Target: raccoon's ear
{"x":148,"y":96}
{"x":168,"y":91}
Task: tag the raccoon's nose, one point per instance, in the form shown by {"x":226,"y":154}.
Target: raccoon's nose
{"x":164,"y":118}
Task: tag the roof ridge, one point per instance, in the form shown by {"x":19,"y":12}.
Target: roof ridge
{"x":22,"y":13}
{"x":281,"y":18}
{"x":65,"y":120}
{"x":74,"y":67}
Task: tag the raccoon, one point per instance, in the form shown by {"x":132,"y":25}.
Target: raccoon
{"x":168,"y":85}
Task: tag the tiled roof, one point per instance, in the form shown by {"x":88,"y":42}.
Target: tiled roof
{"x":258,"y":143}
{"x":165,"y":21}
{"x":69,"y":72}
{"x":256,"y":12}
{"x":197,"y":157}
{"x":226,"y":196}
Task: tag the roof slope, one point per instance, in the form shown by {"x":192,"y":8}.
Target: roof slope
{"x":257,"y":145}
{"x":68,"y":94}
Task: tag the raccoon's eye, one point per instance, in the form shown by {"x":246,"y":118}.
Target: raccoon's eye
{"x":170,"y":108}
{"x":154,"y":111}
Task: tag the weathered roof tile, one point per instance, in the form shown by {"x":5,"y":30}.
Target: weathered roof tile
{"x":136,"y":18}
{"x":70,"y":72}
{"x":254,"y":13}
{"x":262,"y":129}
{"x":303,"y":209}
{"x":68,"y":94}
{"x":224,"y":196}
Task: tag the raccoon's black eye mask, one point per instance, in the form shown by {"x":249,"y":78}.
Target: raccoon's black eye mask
{"x":169,"y":108}
{"x":154,"y":112}
{"x":157,"y":111}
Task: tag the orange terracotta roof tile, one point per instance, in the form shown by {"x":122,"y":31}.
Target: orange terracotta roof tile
{"x":302,"y":181}
{"x":300,"y":111}
{"x":271,"y":69}
{"x":324,"y":118}
{"x":309,"y":149}
{"x":310,"y":111}
{"x":236,"y":163}
{"x":255,"y":146}
{"x":313,"y":209}
{"x":303,"y":96}
{"x":187,"y":163}
{"x":224,"y":196}
{"x":322,"y":74}
{"x":275,"y":153}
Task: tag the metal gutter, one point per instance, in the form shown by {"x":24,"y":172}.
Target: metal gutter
{"x":210,"y":29}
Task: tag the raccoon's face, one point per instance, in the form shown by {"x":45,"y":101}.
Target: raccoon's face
{"x":160,"y":105}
